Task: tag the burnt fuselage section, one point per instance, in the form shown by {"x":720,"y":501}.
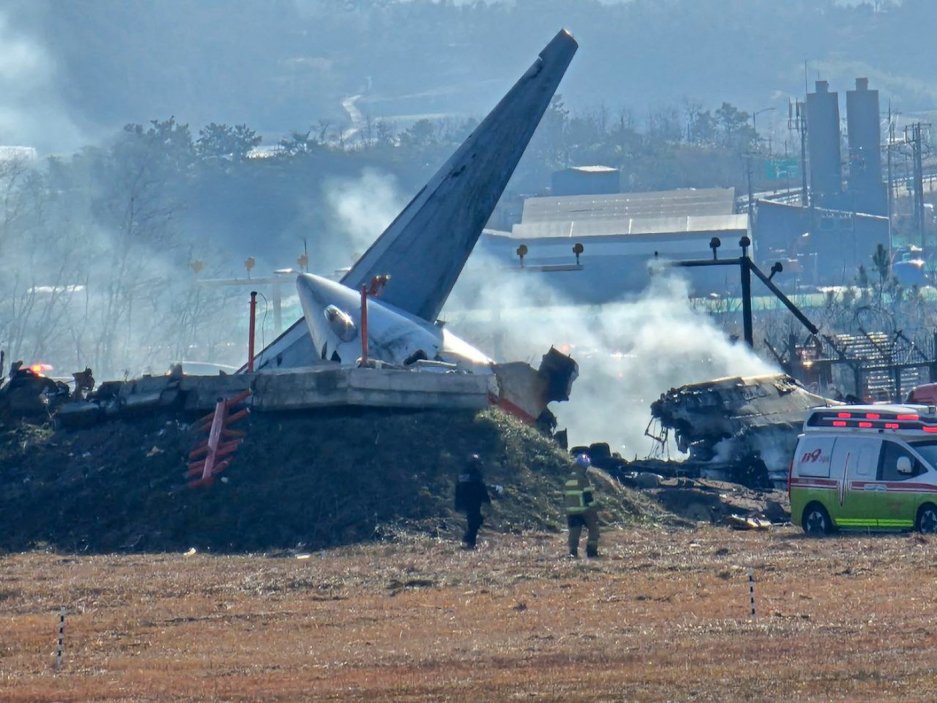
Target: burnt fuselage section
{"x":742,"y":427}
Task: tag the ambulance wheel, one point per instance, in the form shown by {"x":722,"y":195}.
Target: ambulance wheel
{"x":927,"y":518}
{"x":816,"y":521}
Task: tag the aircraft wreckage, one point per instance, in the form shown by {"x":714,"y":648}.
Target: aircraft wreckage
{"x":416,"y":261}
{"x":329,"y":356}
{"x":743,"y":429}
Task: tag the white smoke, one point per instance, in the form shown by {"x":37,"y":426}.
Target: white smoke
{"x":32,"y":113}
{"x":629,"y":352}
{"x":361,"y":208}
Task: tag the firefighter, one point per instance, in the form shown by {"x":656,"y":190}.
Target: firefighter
{"x":470,"y":494}
{"x":581,"y":509}
{"x":84,"y":384}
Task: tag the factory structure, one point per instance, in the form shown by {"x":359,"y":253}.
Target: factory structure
{"x":821,"y":232}
{"x":843,"y":211}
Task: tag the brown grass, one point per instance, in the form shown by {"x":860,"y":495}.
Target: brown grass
{"x":664,"y":615}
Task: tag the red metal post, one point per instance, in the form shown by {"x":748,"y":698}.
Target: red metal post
{"x":250,"y":336}
{"x":364,"y":326}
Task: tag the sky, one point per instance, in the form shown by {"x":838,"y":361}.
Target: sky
{"x":72,"y":73}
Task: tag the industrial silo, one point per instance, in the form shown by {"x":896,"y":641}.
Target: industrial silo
{"x":864,"y":184}
{"x":823,"y":146}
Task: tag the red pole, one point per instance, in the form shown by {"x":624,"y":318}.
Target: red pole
{"x":250,"y":336}
{"x":364,"y":326}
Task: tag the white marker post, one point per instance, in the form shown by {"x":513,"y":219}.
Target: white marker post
{"x":751,"y":593}
{"x":61,"y":646}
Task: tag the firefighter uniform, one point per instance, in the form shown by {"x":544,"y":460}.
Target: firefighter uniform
{"x":581,"y":510}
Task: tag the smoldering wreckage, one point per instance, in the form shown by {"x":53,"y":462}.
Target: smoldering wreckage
{"x":372,"y":340}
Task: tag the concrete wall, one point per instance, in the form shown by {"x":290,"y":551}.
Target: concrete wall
{"x":297,"y":389}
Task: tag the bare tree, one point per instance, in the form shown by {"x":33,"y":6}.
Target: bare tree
{"x":136,"y":208}
{"x":36,"y":281}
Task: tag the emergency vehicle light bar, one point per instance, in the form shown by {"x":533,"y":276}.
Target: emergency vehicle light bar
{"x":872,"y":421}
{"x":877,"y":416}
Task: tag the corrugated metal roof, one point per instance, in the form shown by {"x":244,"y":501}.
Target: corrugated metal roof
{"x":631,"y":225}
{"x":671,"y":203}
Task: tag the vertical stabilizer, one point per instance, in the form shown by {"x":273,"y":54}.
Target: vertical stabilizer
{"x":425,"y":248}
{"x":427,"y":245}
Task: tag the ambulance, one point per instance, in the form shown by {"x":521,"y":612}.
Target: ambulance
{"x":869,"y":467}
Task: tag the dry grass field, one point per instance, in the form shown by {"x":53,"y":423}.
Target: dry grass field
{"x":663,"y":616}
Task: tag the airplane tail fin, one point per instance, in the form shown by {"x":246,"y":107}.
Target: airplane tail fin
{"x":425,"y":248}
{"x":428,"y":243}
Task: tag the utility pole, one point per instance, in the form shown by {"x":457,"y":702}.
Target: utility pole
{"x":917,"y":175}
{"x":805,"y":198}
{"x":891,"y":140}
{"x":797,"y":120}
{"x":748,"y":174}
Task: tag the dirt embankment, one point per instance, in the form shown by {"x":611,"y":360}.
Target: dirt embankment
{"x":308,"y":480}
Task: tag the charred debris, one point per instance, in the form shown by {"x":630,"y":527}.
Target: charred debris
{"x":738,"y":429}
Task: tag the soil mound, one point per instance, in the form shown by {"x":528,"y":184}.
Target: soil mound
{"x":299,"y":480}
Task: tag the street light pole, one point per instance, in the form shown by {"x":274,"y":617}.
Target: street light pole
{"x":755,"y":120}
{"x":748,"y":161}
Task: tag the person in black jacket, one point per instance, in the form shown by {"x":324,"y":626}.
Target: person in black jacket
{"x":470,"y":494}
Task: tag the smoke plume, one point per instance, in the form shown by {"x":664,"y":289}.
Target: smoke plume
{"x":361,"y":208}
{"x":32,"y":113}
{"x":629,"y":352}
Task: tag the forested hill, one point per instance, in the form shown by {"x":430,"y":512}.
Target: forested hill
{"x":86,"y":67}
